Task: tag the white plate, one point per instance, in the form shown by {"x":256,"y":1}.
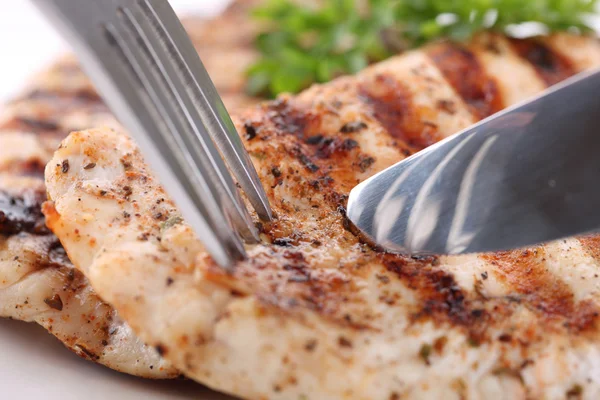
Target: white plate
{"x":33,"y":364}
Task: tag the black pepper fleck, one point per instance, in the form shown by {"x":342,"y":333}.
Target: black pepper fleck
{"x":343,"y":342}
{"x":365,"y":163}
{"x":447,"y":106}
{"x":312,"y":167}
{"x":250,"y":131}
{"x":352,"y":127}
{"x":284,"y":242}
{"x":161,"y":349}
{"x":349,"y":144}
{"x":65,"y":166}
{"x":311,"y":345}
{"x":505,"y":338}
{"x":575,"y":392}
{"x":54,"y":302}
{"x":425,"y":352}
{"x":314,"y":140}
{"x":276,"y":172}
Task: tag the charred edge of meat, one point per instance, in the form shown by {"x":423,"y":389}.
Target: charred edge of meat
{"x":467,"y":76}
{"x":360,"y":235}
{"x":550,"y":66}
{"x":84,"y":352}
{"x":22,"y":213}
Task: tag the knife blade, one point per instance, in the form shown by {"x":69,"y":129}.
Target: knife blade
{"x":527,"y":175}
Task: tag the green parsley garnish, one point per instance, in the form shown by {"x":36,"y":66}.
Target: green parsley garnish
{"x":303,"y":45}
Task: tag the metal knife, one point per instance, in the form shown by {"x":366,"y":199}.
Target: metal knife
{"x":527,"y":175}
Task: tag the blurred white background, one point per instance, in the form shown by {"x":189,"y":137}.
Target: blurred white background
{"x":28,"y":43}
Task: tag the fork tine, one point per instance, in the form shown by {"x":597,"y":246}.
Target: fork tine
{"x":153,"y":90}
{"x":197,"y":141}
{"x":213,"y":112}
{"x":217,"y":235}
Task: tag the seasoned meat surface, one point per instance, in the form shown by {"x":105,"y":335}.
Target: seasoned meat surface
{"x":314,"y":312}
{"x":39,"y":284}
{"x":37,"y":281}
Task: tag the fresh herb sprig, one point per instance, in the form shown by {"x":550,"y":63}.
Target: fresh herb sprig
{"x":303,"y":45}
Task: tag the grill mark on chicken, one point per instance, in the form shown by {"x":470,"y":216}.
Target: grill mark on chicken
{"x":441,"y":298}
{"x":22,"y":213}
{"x":287,"y":117}
{"x":467,"y":76}
{"x":547,"y":295}
{"x":59,"y":103}
{"x":26,"y":124}
{"x":326,"y":158}
{"x":391,"y":104}
{"x":79,"y":96}
{"x":32,"y":167}
{"x":551,"y":66}
{"x":299,"y":285}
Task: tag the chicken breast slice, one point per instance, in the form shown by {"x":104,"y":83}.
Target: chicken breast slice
{"x":313,"y":312}
{"x":39,"y":284}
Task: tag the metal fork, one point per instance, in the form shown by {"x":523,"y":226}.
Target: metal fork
{"x":145,"y":67}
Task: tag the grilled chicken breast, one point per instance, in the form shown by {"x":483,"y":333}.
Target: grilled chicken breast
{"x":313,"y":312}
{"x":39,"y":284}
{"x":37,"y":281}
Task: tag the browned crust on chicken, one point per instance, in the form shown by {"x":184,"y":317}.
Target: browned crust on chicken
{"x":592,"y":244}
{"x":391,"y":104}
{"x":467,"y":76}
{"x":550,"y":65}
{"x":525,"y":271}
